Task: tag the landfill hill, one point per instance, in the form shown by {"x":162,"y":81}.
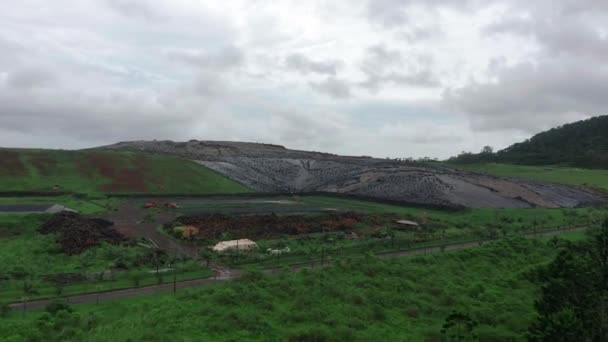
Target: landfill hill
{"x":273,"y":168}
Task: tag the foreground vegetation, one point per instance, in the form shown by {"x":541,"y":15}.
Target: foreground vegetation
{"x":573,"y":305}
{"x":362,"y":298}
{"x":95,"y":171}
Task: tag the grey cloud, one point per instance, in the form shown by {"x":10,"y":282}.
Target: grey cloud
{"x":306,"y":65}
{"x":30,"y":78}
{"x":528,"y":97}
{"x":395,"y":13}
{"x":225,"y":58}
{"x":562,"y":81}
{"x":333,"y":87}
{"x":135,"y":9}
{"x":562,"y":30}
{"x":304,"y":129}
{"x":100,"y":114}
{"x":418,"y":34}
{"x":388,"y":66}
{"x":379,"y":58}
{"x":11,"y":54}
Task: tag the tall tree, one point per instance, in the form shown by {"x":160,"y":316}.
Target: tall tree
{"x":574,"y":293}
{"x":458,"y":327}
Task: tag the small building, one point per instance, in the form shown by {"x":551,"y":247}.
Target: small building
{"x":409,"y":223}
{"x":241,"y":245}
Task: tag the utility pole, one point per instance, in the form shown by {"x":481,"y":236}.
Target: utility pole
{"x":323,"y":247}
{"x":174,"y":271}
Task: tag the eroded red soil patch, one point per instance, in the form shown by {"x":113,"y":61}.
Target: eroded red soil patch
{"x":43,"y":164}
{"x":11,"y":165}
{"x":122,"y":175}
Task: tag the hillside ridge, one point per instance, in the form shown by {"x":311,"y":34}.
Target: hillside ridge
{"x":270,"y":169}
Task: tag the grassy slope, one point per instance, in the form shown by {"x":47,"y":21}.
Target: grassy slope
{"x":565,"y":175}
{"x":363,"y":299}
{"x":90,"y":171}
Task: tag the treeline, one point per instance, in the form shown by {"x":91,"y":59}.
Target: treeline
{"x":583,"y":144}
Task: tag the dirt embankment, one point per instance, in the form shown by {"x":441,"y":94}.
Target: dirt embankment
{"x":271,"y":168}
{"x":217,"y":226}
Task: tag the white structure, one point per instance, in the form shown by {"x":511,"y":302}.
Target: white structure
{"x":242,"y":245}
{"x":408,"y":223}
{"x":57,"y":208}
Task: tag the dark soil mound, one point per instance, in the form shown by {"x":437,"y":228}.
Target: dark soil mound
{"x":78,"y":233}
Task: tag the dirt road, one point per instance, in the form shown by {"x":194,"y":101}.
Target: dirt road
{"x":223,"y":274}
{"x":130,"y":220}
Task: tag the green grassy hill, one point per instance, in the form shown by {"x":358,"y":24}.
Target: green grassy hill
{"x":93,"y":171}
{"x":582,"y":144}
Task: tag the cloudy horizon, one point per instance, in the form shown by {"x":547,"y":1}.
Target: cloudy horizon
{"x":386,"y":78}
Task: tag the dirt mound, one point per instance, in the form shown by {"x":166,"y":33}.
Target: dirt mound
{"x":217,"y":226}
{"x":78,"y":233}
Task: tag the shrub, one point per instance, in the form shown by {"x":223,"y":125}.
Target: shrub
{"x":5,"y":309}
{"x":57,"y":305}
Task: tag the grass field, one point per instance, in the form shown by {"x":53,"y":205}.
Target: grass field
{"x":565,"y":175}
{"x":361,"y":299}
{"x":90,"y":171}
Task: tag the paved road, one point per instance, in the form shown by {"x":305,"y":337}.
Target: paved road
{"x":223,"y":274}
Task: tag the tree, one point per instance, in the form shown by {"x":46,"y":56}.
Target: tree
{"x":5,"y":310}
{"x":487,"y":150}
{"x":573,"y":305}
{"x":19,"y":273}
{"x":459,"y":326}
{"x":206,"y":254}
{"x":136,"y":278}
{"x":390,"y":235}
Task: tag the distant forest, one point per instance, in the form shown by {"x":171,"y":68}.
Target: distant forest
{"x":583,"y":144}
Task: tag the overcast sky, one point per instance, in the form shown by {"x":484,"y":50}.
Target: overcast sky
{"x":384,"y":78}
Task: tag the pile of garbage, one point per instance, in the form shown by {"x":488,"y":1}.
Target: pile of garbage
{"x":78,"y":233}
